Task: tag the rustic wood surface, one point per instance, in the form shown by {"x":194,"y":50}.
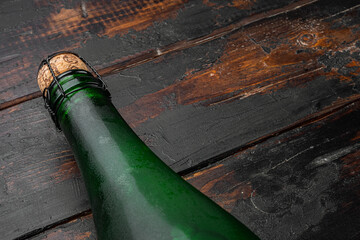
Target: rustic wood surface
{"x":104,"y":32}
{"x":302,"y":184}
{"x":254,"y":103}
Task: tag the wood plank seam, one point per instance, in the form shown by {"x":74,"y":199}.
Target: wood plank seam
{"x":53,"y":225}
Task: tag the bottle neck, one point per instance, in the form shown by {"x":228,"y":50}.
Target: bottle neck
{"x":67,"y":85}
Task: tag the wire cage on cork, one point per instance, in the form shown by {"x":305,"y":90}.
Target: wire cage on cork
{"x":53,"y":107}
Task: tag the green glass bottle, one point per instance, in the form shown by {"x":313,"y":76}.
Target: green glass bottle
{"x":133,"y":194}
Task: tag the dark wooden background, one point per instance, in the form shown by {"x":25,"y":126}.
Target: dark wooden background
{"x":256,"y":103}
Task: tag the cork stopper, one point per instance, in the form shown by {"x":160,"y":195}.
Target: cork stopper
{"x":59,"y":63}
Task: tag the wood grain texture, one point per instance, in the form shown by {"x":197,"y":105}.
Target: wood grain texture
{"x":35,"y":188}
{"x":195,"y":124}
{"x":104,"y":32}
{"x":302,"y":184}
{"x":217,"y":33}
{"x":46,"y":27}
{"x":307,"y":65}
{"x":151,"y":54}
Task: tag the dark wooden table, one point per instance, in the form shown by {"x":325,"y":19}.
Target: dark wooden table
{"x":256,"y":103}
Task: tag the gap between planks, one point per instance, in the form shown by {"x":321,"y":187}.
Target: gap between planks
{"x":150,"y":55}
{"x":53,"y":225}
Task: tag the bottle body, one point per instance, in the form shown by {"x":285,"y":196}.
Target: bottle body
{"x":133,"y":194}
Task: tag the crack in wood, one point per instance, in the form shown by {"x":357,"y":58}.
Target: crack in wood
{"x":292,"y":157}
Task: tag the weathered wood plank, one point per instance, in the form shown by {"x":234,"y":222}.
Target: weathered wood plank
{"x":151,"y":54}
{"x":104,"y":32}
{"x":40,"y":183}
{"x":264,"y":78}
{"x":39,"y":176}
{"x":302,"y":184}
{"x":52,"y":26}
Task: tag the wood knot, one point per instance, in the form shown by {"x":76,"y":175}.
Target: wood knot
{"x":307,"y":39}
